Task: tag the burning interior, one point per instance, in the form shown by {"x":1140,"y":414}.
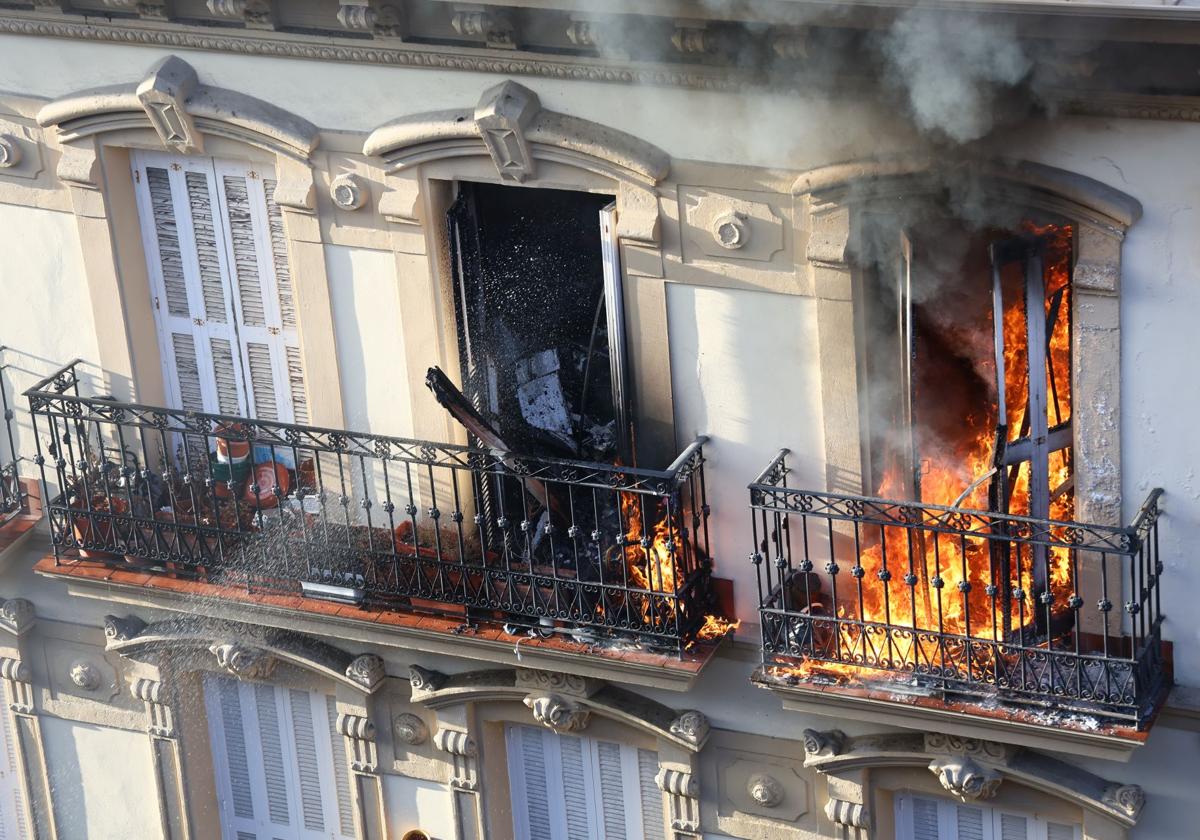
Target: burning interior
{"x":966,"y":572}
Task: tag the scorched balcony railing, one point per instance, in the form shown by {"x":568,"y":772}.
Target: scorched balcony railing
{"x":946,"y":600}
{"x":362,"y":518}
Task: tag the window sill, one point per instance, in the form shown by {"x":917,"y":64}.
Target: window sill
{"x":432,"y":634}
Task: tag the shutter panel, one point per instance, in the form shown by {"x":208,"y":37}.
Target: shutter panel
{"x":537,"y":800}
{"x":969,"y":822}
{"x":1059,"y":831}
{"x":653,"y":822}
{"x":235,"y":748}
{"x":925,"y":819}
{"x":340,"y":773}
{"x":185,"y":256}
{"x":274,"y":768}
{"x":12,"y":804}
{"x":574,"y":787}
{"x":612,"y":790}
{"x":1014,"y":827}
{"x":265,"y":303}
{"x":305,"y":744}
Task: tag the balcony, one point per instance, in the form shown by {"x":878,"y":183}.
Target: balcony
{"x":370,"y":527}
{"x":882,"y":603}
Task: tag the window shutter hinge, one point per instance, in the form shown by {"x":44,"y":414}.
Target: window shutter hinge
{"x":137,"y":176}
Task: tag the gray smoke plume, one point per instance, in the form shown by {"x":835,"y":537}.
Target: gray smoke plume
{"x":954,"y":70}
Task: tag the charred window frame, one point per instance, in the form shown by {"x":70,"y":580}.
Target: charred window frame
{"x":502,"y":274}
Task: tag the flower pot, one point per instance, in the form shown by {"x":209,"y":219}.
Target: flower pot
{"x":232,"y":446}
{"x":266,"y":476}
{"x":89,"y":529}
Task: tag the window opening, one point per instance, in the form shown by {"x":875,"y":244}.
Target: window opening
{"x":934,"y":818}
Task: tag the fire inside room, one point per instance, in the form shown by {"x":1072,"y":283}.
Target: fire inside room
{"x":965,"y":360}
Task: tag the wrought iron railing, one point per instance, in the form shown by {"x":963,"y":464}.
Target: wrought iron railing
{"x":403,"y":524}
{"x":12,"y":498}
{"x":934,"y":599}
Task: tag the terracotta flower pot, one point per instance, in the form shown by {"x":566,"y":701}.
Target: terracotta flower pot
{"x":87,"y":528}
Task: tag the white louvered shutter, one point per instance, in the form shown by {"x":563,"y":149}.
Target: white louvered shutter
{"x":930,"y":818}
{"x":276,"y":771}
{"x":222,"y":287}
{"x":263,"y":294}
{"x":568,"y":787}
{"x":12,"y":802}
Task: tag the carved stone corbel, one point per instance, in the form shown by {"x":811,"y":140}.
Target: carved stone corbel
{"x":822,"y":744}
{"x":683,"y":804}
{"x":366,"y":671}
{"x":556,"y":713}
{"x":20,"y":691}
{"x":371,"y":16}
{"x":460,"y":746}
{"x":965,"y":779}
{"x":488,"y":24}
{"x":503,"y":114}
{"x":359,"y":733}
{"x":16,"y":615}
{"x":254,"y":13}
{"x":691,"y":726}
{"x":849,"y":814}
{"x":118,"y":629}
{"x":161,"y":720}
{"x":424,"y":681}
{"x":244,"y":662}
{"x":1129,"y":799}
{"x":163,"y":94}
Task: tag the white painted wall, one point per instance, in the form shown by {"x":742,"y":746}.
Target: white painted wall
{"x":414,"y":803}
{"x":45,"y":308}
{"x":365,"y":298}
{"x":91,"y":801}
{"x":744,"y":372}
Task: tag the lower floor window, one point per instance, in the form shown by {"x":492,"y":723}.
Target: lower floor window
{"x":567,"y":787}
{"x":12,"y":803}
{"x":280,"y":767}
{"x":929,"y":818}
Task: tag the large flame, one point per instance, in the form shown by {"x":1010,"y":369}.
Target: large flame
{"x":964,"y":566}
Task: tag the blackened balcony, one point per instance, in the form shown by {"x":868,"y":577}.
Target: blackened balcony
{"x":596,"y":553}
{"x":1038,"y":620}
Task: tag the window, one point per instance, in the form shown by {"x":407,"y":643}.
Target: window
{"x":12,"y":803}
{"x":929,"y":818}
{"x":223,"y":301}
{"x":567,"y":787}
{"x":538,"y":309}
{"x":280,"y":765}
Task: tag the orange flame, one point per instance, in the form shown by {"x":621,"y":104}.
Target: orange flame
{"x":963,"y":566}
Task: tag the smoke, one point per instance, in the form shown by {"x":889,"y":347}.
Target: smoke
{"x":953,"y":71}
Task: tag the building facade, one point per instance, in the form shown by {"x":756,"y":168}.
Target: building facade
{"x":598,"y":420}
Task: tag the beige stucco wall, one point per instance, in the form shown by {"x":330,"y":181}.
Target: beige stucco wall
{"x":103,"y":782}
{"x":743,"y":363}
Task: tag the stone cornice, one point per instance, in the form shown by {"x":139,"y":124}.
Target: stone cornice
{"x":479,"y":59}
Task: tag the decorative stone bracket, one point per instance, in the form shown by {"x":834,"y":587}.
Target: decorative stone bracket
{"x":243,"y":650}
{"x":510,"y":126}
{"x":968,"y":768}
{"x":171,"y":100}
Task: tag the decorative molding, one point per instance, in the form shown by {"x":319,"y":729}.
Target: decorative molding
{"x":460,"y":746}
{"x":691,"y":726}
{"x":425,"y":681}
{"x":1129,"y":799}
{"x":84,"y":675}
{"x":244,"y":662}
{"x":557,"y":682}
{"x":510,"y":126}
{"x":850,"y":814}
{"x":160,"y":716}
{"x":348,"y":191}
{"x":486,"y":23}
{"x":682,"y":794}
{"x":367,"y":671}
{"x":964,"y":779}
{"x":685,"y":729}
{"x":17,"y":674}
{"x":969,"y":768}
{"x":558,"y":714}
{"x":693,"y":38}
{"x":823,"y":744}
{"x":10,"y":151}
{"x":765,"y":790}
{"x":171,"y":100}
{"x":239,"y":646}
{"x":359,"y":732}
{"x":410,"y":729}
{"x":16,"y":615}
{"x":376,"y":18}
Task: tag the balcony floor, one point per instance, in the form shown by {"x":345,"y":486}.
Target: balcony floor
{"x":436,"y":634}
{"x":1067,"y":731}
